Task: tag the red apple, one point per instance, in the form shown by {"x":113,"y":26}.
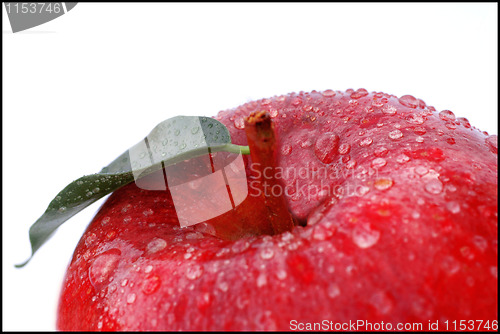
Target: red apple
{"x":399,"y":204}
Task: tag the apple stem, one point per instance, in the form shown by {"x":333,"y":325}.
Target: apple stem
{"x":261,"y":138}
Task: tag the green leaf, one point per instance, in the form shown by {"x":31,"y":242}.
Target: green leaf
{"x":171,"y":141}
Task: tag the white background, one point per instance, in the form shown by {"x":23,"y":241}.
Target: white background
{"x":81,"y":89}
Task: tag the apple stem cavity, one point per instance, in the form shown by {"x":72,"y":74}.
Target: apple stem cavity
{"x":261,"y":137}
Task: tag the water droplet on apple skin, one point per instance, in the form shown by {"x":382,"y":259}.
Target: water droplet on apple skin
{"x":131,"y":298}
{"x":395,"y":134}
{"x":239,"y":123}
{"x":383,"y":183}
{"x":194,"y":272}
{"x":409,"y":101}
{"x":267,"y":253}
{"x":434,"y":187}
{"x":402,"y":158}
{"x":333,"y":290}
{"x":326,"y":147}
{"x":344,"y":149}
{"x":329,"y":93}
{"x":359,"y":93}
{"x":415,"y":119}
{"x":389,"y":110}
{"x":380,"y":151}
{"x":366,"y":142}
{"x":156,"y":245}
{"x":151,"y":284}
{"x":364,"y":236}
{"x":261,"y":280}
{"x":103,"y":267}
{"x":447,"y":115}
{"x":378,"y":163}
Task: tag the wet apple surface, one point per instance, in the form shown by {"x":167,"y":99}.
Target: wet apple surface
{"x":400,"y":206}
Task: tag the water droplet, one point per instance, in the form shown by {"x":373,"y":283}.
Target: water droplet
{"x":383,"y":184}
{"x":350,"y":164}
{"x":366,"y":142}
{"x":344,"y":149}
{"x":451,"y":126}
{"x":359,"y":93}
{"x":261,"y":280}
{"x":79,"y":182}
{"x":296,"y":101}
{"x":328,"y":93}
{"x":362,"y":190}
{"x":414,"y":119}
{"x":151,"y":285}
{"x":364,"y":236}
{"x":148,"y":212}
{"x":89,"y":193}
{"x":464,"y":122}
{"x":148,"y":269}
{"x":266,"y":253}
{"x":378,"y":163}
{"x":451,"y":141}
{"x":265,"y":102}
{"x":447,"y":115}
{"x":492,"y":142}
{"x":395,"y":134}
{"x":240,"y":246}
{"x":380,"y":151}
{"x":194,"y":272}
{"x":286,"y":149}
{"x":421,"y":170}
{"x":319,"y":233}
{"x":273,"y":112}
{"x":62,"y":209}
{"x":333,"y":290}
{"x":223,"y":286}
{"x":156,"y":245}
{"x":305,"y":141}
{"x":131,"y":298}
{"x":389,"y":110}
{"x":239,"y":123}
{"x":453,"y":206}
{"x":281,"y":274}
{"x":419,"y":130}
{"x":434,"y":187}
{"x":402,"y":158}
{"x":103,"y":267}
{"x":326,"y":147}
{"x":408,"y":101}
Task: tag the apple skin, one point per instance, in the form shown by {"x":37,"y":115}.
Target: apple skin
{"x":416,"y":240}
